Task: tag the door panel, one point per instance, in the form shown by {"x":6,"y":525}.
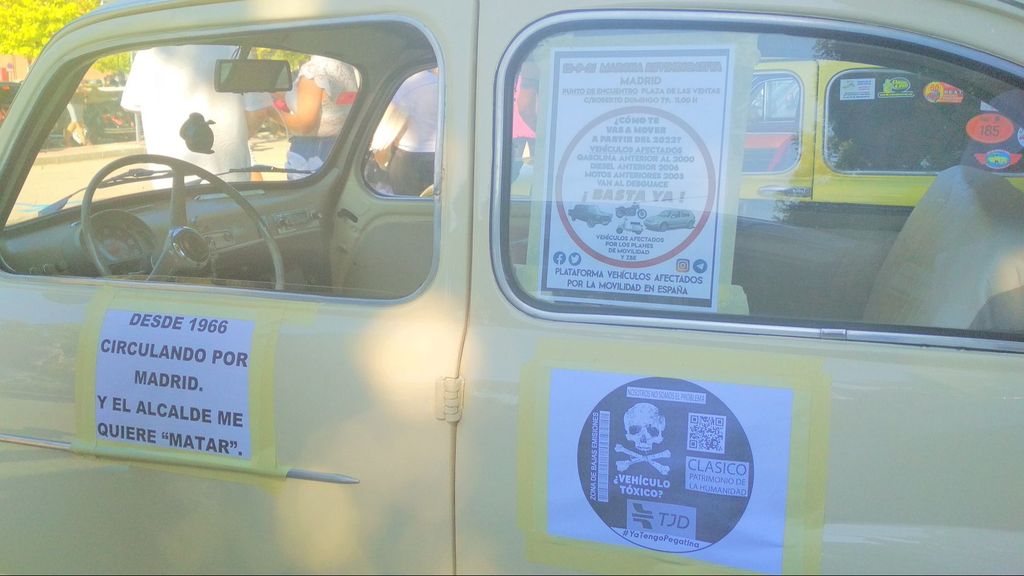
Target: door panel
{"x":574,"y":401}
{"x":902,"y":429}
{"x":353,"y":413}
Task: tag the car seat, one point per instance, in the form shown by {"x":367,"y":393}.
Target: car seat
{"x":958,"y":262}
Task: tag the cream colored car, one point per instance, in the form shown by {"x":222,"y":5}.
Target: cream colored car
{"x":252,"y":356}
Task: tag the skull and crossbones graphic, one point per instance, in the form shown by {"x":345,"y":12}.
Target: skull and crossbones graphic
{"x":645,"y":427}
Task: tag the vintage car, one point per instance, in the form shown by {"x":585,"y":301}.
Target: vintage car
{"x":379,"y":342}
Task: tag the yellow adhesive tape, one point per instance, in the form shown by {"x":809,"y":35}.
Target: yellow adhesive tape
{"x":805,"y":480}
{"x":267,"y":316}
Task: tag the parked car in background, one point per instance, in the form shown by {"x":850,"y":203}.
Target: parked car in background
{"x":98,"y":116}
{"x":811,"y":133}
{"x":7,"y":92}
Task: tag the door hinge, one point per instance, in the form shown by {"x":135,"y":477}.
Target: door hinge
{"x":448,"y":399}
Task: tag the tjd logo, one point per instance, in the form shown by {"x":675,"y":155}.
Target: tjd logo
{"x":671,"y":519}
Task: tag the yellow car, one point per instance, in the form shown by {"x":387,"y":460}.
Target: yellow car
{"x":832,"y":131}
{"x":560,"y":286}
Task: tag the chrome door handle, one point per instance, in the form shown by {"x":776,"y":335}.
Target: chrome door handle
{"x":793,"y":191}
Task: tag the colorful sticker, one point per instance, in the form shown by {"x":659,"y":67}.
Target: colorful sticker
{"x":998,"y":159}
{"x":989,"y":128}
{"x":896,"y":87}
{"x":670,"y":465}
{"x":637,"y":139}
{"x":942,"y":93}
{"x":857,"y":89}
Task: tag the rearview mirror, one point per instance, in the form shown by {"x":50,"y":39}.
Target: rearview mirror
{"x":238,"y":76}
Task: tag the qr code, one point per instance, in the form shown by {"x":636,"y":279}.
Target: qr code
{"x":706,"y":433}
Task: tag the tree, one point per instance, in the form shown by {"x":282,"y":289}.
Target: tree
{"x":29,"y":24}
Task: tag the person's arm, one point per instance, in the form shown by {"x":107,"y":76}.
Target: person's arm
{"x":305,"y":119}
{"x":254,"y":119}
{"x":390,"y":130}
{"x":257,"y":109}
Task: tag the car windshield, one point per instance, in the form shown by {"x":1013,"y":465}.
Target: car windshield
{"x":164,"y":101}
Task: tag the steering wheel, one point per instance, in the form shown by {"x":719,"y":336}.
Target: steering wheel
{"x":185,"y":248}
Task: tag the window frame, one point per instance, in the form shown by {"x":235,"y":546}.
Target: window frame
{"x":608,"y":21}
{"x":774,"y":76}
{"x":31,"y":135}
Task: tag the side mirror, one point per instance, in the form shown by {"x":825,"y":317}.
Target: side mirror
{"x":238,"y":76}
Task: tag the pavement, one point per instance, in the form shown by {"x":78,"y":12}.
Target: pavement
{"x":60,"y":172}
{"x":89,"y":152}
{"x":267,"y":148}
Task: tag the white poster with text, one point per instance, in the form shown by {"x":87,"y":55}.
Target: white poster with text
{"x":174,"y":381}
{"x":635,"y":173}
{"x":686,"y":467}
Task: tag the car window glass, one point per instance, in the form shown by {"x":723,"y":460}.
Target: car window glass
{"x":924,"y":118}
{"x":153,"y":173}
{"x":772,"y":142}
{"x":667,"y":179}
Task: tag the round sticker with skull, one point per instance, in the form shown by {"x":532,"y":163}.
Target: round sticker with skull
{"x":666,"y":465}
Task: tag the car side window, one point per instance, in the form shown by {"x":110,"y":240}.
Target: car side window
{"x":214,"y":164}
{"x":137,"y":102}
{"x":773,"y":123}
{"x":928,"y":123}
{"x":631,"y":205}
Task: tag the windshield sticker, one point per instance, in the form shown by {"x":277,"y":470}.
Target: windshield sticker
{"x":998,"y":159}
{"x":670,"y":465}
{"x":942,"y":93}
{"x":174,"y":381}
{"x":857,"y":89}
{"x":989,"y":128}
{"x":633,"y":193}
{"x":897,"y":87}
{"x":1020,"y":136}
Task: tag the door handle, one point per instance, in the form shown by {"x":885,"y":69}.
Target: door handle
{"x":792,"y":191}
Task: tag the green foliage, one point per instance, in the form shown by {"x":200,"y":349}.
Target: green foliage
{"x":29,"y":24}
{"x":120,"y":62}
{"x":295,"y":59}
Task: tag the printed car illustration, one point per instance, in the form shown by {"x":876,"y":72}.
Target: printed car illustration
{"x":591,"y":214}
{"x":670,"y":220}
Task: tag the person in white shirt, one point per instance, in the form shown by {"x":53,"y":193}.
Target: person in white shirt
{"x":407,"y":136}
{"x":167,"y":84}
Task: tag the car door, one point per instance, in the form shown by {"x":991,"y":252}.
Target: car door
{"x":647,"y":403}
{"x":779,"y":152}
{"x":313,"y":442}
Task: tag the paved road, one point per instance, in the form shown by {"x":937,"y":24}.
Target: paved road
{"x":57,"y":173}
